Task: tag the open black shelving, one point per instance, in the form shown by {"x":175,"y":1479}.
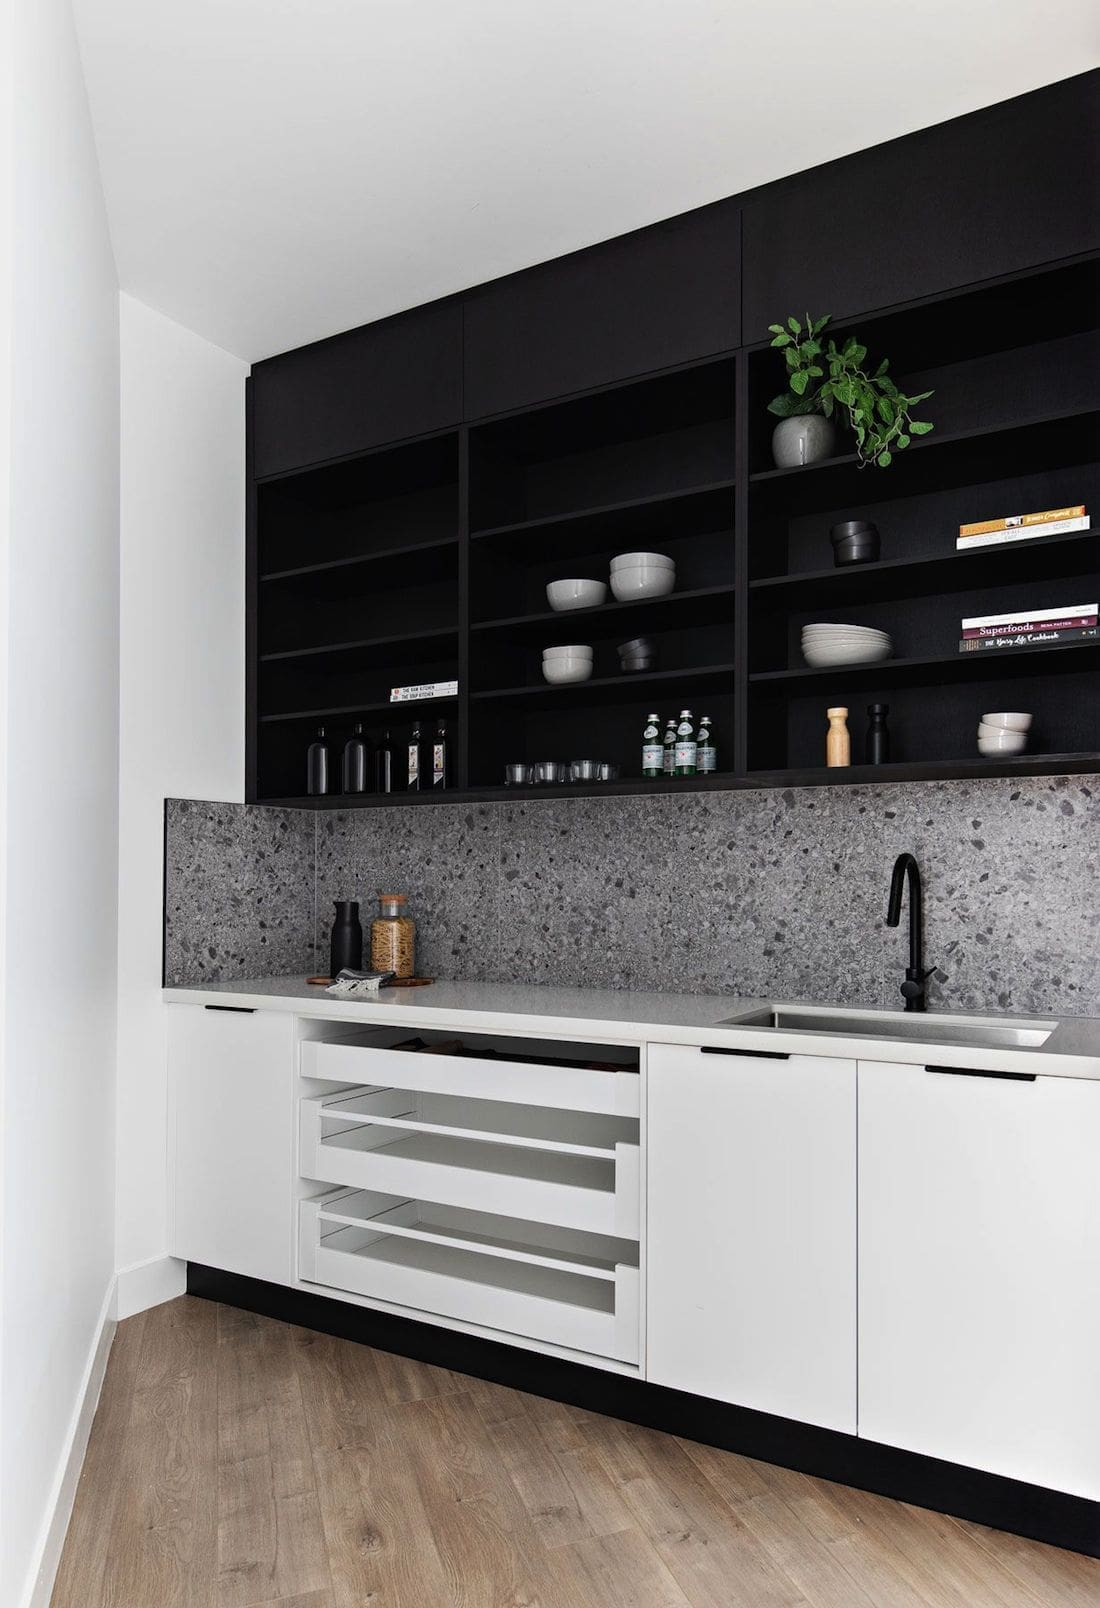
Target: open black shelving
{"x":427,"y":560}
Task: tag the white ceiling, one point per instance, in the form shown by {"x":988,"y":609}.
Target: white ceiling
{"x":278,"y":170}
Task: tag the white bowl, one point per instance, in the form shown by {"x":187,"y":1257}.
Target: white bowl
{"x":1013,"y":720}
{"x":561,"y":671}
{"x":827,"y":658}
{"x":565,"y":595}
{"x":826,"y":632}
{"x":574,"y":650}
{"x":648,"y":560}
{"x":1002,"y":742}
{"x":640,"y":582}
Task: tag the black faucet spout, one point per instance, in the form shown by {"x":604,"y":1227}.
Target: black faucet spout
{"x":906,"y":870}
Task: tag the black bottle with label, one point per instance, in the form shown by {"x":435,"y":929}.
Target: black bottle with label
{"x":355,"y":762}
{"x":383,"y":765}
{"x":441,"y":768}
{"x":416,"y":778}
{"x":317,"y":768}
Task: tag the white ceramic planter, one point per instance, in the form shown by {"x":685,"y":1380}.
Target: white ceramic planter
{"x":803,"y":439}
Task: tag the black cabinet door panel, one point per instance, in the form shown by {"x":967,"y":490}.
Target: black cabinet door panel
{"x":401,"y":377}
{"x":1003,"y":189}
{"x":648,"y":300}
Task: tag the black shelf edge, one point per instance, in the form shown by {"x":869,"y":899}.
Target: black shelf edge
{"x":383,"y":553}
{"x":337,"y":711}
{"x":609,"y":683}
{"x":945,"y":438}
{"x":553,"y":616}
{"x":936,"y":561}
{"x":599,"y":510}
{"x":407,"y":637}
{"x":976,"y":769}
{"x":956,"y":666}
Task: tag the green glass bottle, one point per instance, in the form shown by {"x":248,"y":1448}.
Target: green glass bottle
{"x":653,"y":757}
{"x":686,"y":745}
{"x":669,"y":766}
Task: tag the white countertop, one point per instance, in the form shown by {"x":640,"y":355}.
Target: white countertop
{"x":597,"y":1015}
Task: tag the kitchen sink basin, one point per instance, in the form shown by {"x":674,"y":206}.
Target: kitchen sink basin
{"x":913,"y":1028}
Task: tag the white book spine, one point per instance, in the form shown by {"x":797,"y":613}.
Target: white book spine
{"x":1023,"y":533}
{"x":1032,"y":616}
{"x":425,"y":689}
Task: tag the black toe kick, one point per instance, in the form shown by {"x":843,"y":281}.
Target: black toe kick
{"x":966,"y":1493}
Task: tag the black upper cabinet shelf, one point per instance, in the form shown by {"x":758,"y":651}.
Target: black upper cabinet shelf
{"x":991,"y":665}
{"x":415,"y":485}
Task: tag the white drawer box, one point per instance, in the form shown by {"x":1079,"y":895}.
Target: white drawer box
{"x":571,"y":1168}
{"x":498,"y":1272}
{"x":569,"y":1088}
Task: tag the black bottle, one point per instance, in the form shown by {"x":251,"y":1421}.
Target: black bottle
{"x":317,"y":764}
{"x":346,"y":948}
{"x":440,"y":757}
{"x":877,"y":750}
{"x":383,"y":765}
{"x":416,"y":777}
{"x":355,"y":762}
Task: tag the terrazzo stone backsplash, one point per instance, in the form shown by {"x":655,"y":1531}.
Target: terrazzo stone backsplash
{"x":748,"y":893}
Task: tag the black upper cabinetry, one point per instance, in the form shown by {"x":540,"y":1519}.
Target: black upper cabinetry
{"x":387,"y":381}
{"x":650,"y":300}
{"x":991,"y":193}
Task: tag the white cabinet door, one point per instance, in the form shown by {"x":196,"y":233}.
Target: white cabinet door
{"x":979,"y":1271}
{"x":751,"y":1283}
{"x":232,"y":1079}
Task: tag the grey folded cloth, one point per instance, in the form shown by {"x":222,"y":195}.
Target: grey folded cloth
{"x":350,"y":984}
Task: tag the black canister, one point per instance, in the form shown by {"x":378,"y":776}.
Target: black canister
{"x":346,"y":949}
{"x":877,"y":749}
{"x":855,"y":541}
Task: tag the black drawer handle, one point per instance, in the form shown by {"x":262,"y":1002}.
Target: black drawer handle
{"x":237,"y":1010}
{"x":757,"y":1055}
{"x":977,"y":1072}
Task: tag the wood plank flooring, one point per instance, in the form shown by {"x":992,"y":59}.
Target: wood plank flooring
{"x":236,"y":1461}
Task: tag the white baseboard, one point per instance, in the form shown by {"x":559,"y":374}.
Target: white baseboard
{"x":148,"y":1284}
{"x":63,"y":1492}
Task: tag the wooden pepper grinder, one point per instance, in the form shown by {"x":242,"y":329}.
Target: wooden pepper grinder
{"x":838,"y":742}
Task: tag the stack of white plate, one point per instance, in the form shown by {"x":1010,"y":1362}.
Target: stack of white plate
{"x":826,"y":645}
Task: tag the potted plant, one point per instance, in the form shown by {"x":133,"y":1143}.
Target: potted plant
{"x":827,"y":382}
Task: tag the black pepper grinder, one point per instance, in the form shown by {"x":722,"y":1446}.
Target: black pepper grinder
{"x":346,"y":947}
{"x":877,"y":750}
{"x":355,"y":762}
{"x":317,"y":765}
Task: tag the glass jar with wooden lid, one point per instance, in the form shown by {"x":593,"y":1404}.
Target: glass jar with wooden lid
{"x":393,"y":937}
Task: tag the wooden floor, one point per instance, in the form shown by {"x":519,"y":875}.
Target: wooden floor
{"x":238,"y":1461}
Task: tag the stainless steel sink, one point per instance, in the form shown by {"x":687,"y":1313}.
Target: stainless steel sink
{"x":913,"y":1028}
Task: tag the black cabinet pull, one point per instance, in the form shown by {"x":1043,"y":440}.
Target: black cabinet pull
{"x":237,"y":1010}
{"x":757,"y":1055}
{"x":980,"y":1072}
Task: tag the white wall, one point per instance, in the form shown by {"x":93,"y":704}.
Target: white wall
{"x":61,"y":829}
{"x":181,"y":707}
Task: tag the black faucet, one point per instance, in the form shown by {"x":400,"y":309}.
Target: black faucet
{"x":913,"y":990}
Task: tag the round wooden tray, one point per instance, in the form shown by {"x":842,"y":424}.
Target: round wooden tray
{"x":398,"y":982}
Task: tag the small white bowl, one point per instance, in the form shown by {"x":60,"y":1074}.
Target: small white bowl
{"x":573,"y":651}
{"x":642,"y":560}
{"x":1013,"y":720}
{"x":641,"y":582}
{"x":565,"y":595}
{"x":1007,"y":742}
{"x":559,"y":672}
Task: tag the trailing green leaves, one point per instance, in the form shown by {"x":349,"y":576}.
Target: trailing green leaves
{"x":832,"y":380}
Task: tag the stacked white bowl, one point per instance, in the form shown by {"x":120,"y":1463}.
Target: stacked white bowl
{"x":826,"y":645}
{"x":562,"y":665}
{"x":635,"y":575}
{"x":575,"y":594}
{"x":1004,"y":732}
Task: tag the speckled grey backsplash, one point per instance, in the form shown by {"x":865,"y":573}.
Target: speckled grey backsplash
{"x":771,"y":892}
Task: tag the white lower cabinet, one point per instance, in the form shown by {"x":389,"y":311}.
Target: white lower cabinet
{"x":979,"y":1271}
{"x":231,"y":1139}
{"x":751,"y":1231}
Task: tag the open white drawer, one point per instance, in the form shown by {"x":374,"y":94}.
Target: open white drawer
{"x":571,"y":1289}
{"x":573,"y":1087}
{"x":576,"y":1169}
